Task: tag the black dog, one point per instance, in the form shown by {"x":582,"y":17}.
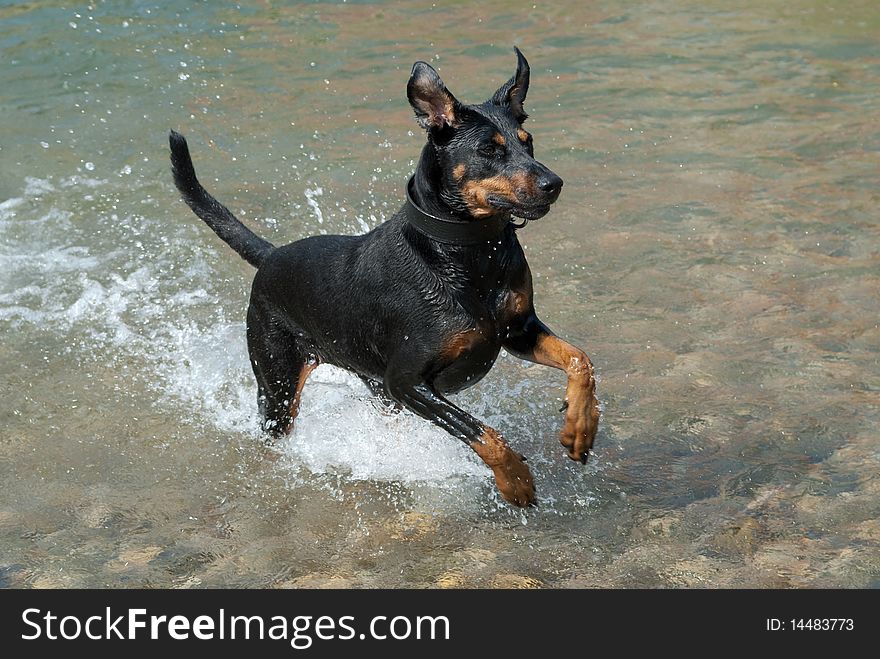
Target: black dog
{"x":421,"y":305}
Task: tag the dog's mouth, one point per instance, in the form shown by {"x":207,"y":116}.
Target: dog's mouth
{"x":532,"y":211}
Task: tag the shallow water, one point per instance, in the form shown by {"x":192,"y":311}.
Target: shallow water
{"x":716,"y":251}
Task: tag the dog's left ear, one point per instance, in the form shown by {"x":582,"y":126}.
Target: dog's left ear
{"x":513,"y":92}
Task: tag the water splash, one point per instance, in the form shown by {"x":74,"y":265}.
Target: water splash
{"x":196,"y":357}
{"x":161,"y":313}
{"x":312,"y":195}
{"x":343,"y":428}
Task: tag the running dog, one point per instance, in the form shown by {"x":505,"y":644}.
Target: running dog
{"x":421,"y":305}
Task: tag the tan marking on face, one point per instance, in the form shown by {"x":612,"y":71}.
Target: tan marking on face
{"x":522,"y":135}
{"x":524,"y":182}
{"x":498,"y":138}
{"x":458,"y":171}
{"x":459,"y":343}
{"x":476,"y":194}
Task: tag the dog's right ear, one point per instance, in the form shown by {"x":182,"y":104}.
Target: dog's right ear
{"x":435,"y":106}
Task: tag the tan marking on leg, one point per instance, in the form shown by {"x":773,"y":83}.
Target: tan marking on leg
{"x":517,"y":303}
{"x":512,"y":476}
{"x":582,"y":413}
{"x":460,"y":343}
{"x":304,"y":373}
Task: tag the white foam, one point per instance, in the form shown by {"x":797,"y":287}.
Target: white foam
{"x":311,"y":198}
{"x":52,"y":259}
{"x":82,"y":181}
{"x":36,"y":187}
{"x":208,"y":369}
{"x":7,"y":205}
{"x":343,"y":428}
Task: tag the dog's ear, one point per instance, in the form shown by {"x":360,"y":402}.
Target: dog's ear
{"x":513,"y":92}
{"x":435,"y":106}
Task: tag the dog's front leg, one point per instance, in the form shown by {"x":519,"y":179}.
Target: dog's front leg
{"x":512,"y":476}
{"x":532,"y":340}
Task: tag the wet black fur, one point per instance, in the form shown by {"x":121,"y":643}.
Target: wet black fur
{"x":387,"y":305}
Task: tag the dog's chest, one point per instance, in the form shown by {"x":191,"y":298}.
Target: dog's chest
{"x":468,"y":356}
{"x":470,"y":353}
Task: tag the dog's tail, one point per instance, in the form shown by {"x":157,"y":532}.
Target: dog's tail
{"x":249,"y":245}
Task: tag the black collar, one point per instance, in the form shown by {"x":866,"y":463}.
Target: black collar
{"x":451,"y":231}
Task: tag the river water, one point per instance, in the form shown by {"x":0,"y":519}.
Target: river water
{"x":715,"y":250}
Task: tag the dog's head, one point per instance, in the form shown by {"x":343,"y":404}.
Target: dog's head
{"x":486,"y":159}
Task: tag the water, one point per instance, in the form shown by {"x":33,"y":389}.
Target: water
{"x":716,"y":251}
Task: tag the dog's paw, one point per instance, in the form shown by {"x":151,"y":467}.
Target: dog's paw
{"x":515,"y":482}
{"x":512,"y":476}
{"x":580,"y":428}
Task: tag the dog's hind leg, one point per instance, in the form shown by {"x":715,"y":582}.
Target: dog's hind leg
{"x":281,"y":366}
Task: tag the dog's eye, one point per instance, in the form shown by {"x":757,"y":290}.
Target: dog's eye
{"x":491,"y":151}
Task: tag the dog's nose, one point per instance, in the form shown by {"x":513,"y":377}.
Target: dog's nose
{"x":549,"y":183}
